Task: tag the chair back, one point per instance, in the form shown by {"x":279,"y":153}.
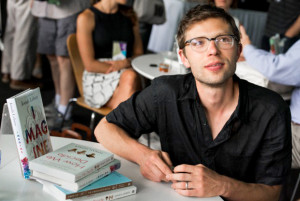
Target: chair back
{"x":76,"y":61}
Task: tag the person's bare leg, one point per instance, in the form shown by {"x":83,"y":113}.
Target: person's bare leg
{"x":55,"y":72}
{"x":67,"y":81}
{"x":129,"y":83}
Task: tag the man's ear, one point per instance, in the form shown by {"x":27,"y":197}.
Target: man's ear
{"x":183,"y":58}
{"x":240,"y":49}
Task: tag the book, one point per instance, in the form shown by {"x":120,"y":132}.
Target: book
{"x":109,"y":195}
{"x":29,"y":126}
{"x":112,"y":181}
{"x":71,"y":162}
{"x":81,"y":183}
{"x":103,"y":196}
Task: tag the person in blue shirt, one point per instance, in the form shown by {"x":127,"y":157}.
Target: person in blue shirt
{"x":283,"y":69}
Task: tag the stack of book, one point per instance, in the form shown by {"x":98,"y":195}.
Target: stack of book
{"x":71,"y":172}
{"x":77,"y":172}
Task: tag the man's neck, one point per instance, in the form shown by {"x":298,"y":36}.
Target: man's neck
{"x":219,"y":103}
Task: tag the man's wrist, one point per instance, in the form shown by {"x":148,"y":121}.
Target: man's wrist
{"x":225,"y":186}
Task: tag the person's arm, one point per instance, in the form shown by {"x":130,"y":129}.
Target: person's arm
{"x":294,"y":30}
{"x":154,"y":164}
{"x":85,"y":27}
{"x":277,"y":68}
{"x":203,"y":182}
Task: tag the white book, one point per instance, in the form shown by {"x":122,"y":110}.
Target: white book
{"x":71,"y":162}
{"x":81,"y":183}
{"x":103,"y":196}
{"x":29,"y":126}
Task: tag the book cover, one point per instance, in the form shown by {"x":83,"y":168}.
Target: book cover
{"x":71,"y":162}
{"x":112,"y":181}
{"x":81,"y":183}
{"x":109,"y":195}
{"x":30,"y":128}
{"x":103,"y":196}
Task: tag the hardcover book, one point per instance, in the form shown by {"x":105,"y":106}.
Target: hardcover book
{"x":30,"y":128}
{"x":71,"y":162}
{"x":112,"y":181}
{"x":81,"y":183}
{"x":103,"y":196}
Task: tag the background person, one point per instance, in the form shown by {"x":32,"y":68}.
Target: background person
{"x":108,"y":82}
{"x":223,"y":135}
{"x":20,"y":43}
{"x":283,"y":18}
{"x":282,"y":69}
{"x":56,"y":22}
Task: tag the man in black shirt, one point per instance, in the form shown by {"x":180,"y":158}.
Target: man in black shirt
{"x":220,"y":135}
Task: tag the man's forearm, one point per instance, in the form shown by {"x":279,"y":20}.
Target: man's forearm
{"x":117,"y":141}
{"x":237,"y":191}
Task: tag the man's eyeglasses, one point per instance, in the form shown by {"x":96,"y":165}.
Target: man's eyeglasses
{"x":200,"y":44}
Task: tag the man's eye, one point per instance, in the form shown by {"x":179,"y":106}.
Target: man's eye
{"x":225,"y":39}
{"x":198,"y":42}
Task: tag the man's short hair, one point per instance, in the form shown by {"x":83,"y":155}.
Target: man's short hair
{"x":200,"y":13}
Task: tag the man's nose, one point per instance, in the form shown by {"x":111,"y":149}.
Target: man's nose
{"x":212,"y":47}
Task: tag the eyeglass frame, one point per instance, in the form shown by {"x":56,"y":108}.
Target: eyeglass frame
{"x":188,"y":42}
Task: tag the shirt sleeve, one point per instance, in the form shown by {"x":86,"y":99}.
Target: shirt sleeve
{"x":273,"y":162}
{"x":282,"y":68}
{"x":137,"y":115}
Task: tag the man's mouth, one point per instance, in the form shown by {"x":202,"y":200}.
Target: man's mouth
{"x":214,"y":66}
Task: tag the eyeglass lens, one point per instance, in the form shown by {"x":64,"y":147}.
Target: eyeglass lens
{"x":222,"y":42}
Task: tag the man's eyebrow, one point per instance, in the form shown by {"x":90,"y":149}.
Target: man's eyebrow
{"x":221,"y":34}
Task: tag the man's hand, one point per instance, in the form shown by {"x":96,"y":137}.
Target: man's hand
{"x":245,"y":40}
{"x":156,"y":165}
{"x":201,"y":181}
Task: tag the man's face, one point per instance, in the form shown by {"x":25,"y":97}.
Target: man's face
{"x":213,"y":66}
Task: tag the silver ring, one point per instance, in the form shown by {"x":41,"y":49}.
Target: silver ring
{"x":186,"y":185}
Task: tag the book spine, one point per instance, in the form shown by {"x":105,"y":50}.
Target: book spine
{"x":110,"y":195}
{"x":16,"y":125}
{"x":99,"y":190}
{"x":92,"y":169}
{"x":100,"y":173}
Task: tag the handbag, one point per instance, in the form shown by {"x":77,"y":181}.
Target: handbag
{"x":150,"y":11}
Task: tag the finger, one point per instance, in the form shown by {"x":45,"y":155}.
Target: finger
{"x":184,"y":185}
{"x":191,"y":192}
{"x":155,"y":174}
{"x":243,"y":31}
{"x":180,"y":177}
{"x":167,"y":159}
{"x":162,"y":165}
{"x":184,"y":168}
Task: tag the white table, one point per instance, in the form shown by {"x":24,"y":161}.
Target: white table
{"x":142,"y":65}
{"x":14,"y":188}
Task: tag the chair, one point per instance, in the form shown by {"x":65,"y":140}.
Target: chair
{"x":77,"y":131}
{"x":78,"y":69}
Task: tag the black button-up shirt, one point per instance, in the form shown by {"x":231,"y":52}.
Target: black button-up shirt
{"x":253,"y":146}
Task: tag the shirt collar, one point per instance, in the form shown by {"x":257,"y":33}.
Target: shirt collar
{"x":190,"y":93}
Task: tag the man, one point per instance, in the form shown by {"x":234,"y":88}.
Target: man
{"x":282,"y":69}
{"x":220,"y":135}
